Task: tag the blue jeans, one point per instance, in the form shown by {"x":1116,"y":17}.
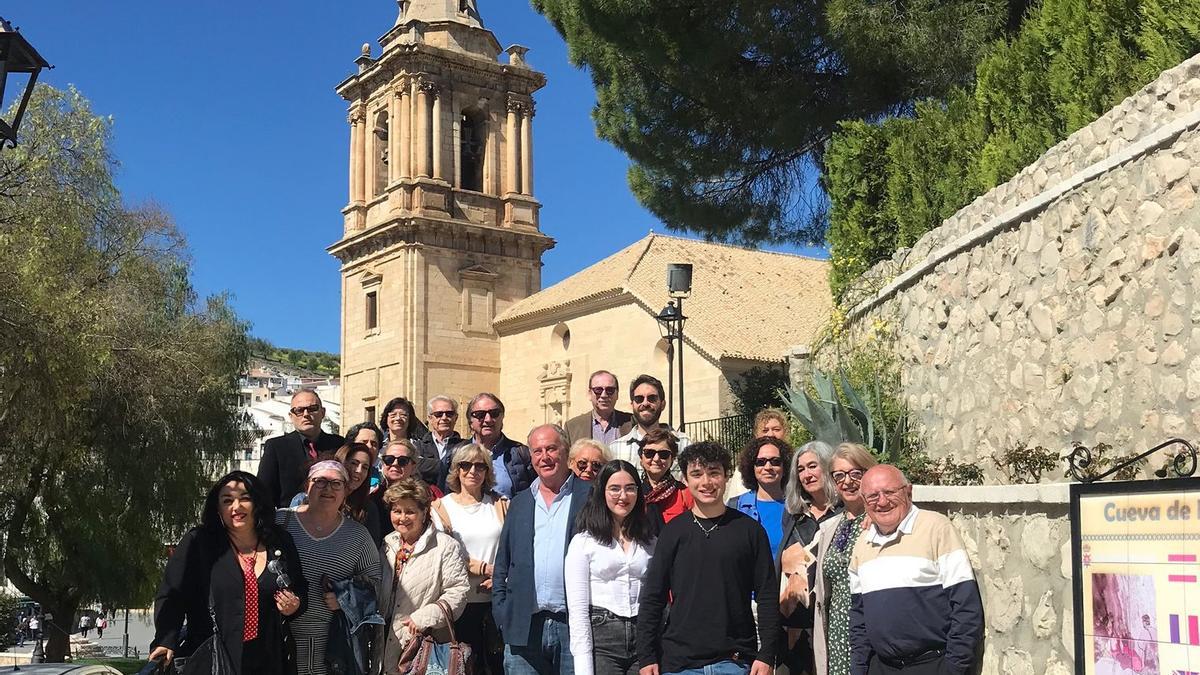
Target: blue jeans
{"x":548,"y":651}
{"x":718,"y":668}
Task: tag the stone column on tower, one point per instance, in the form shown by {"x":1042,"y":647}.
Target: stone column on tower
{"x":437,"y":140}
{"x":512,"y":141}
{"x":527,"y":150}
{"x":395,"y":170}
{"x":423,"y":128}
{"x":358,"y":155}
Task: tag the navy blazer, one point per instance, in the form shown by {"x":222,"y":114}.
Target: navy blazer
{"x":514,"y":600}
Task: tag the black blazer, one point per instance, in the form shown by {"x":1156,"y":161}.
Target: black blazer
{"x":281,"y":468}
{"x":202,"y":562}
{"x":432,"y":467}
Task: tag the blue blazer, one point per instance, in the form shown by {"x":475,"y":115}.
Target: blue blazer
{"x":514,"y":600}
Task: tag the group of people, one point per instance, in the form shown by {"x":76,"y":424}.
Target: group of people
{"x":603,"y":546}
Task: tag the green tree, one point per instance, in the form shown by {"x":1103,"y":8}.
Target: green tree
{"x":723,"y":106}
{"x":758,"y":388}
{"x":118,"y":387}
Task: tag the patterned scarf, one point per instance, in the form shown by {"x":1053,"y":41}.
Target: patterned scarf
{"x":663,"y":492}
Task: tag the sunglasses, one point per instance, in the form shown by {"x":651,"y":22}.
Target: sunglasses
{"x":604,"y":391}
{"x":333,"y":483}
{"x":466,"y":467}
{"x":664,"y":455}
{"x":652,"y":398}
{"x":401,"y":460}
{"x":583,"y":464}
{"x":494,"y":413}
{"x":276,"y":567}
{"x":773,"y":461}
{"x":839,"y":476}
{"x":310,"y":409}
{"x":443,"y":413}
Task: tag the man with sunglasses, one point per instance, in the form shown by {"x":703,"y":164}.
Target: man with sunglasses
{"x":437,"y":446}
{"x":649,"y":401}
{"x":510,"y":459}
{"x":914,"y":602}
{"x":603,"y":422}
{"x":282,"y":467}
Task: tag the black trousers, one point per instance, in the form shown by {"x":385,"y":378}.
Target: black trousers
{"x":930,"y":666}
{"x":477,"y":628}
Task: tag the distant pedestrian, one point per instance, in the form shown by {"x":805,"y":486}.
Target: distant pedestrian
{"x":101,"y":624}
{"x":85,"y":624}
{"x":35,"y":627}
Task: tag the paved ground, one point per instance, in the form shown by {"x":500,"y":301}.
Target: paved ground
{"x":141,"y":632}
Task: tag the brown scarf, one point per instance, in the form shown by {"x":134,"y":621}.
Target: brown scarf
{"x":664,"y":491}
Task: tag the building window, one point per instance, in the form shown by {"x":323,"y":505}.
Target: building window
{"x":372,"y":310}
{"x":368,"y":415}
{"x":473,"y":138}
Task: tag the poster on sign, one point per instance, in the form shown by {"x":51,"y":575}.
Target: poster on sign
{"x":1135,"y":546}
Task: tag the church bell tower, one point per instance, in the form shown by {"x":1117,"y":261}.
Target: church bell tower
{"x":441,"y":228}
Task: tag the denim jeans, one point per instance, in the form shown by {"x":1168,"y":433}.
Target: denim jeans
{"x":614,"y":647}
{"x":718,"y":668}
{"x":548,"y":651}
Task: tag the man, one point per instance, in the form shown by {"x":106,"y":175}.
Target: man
{"x":281,"y":468}
{"x":713,"y":563}
{"x":914,"y":602}
{"x":510,"y":459}
{"x":529,"y":597}
{"x":649,"y":401}
{"x":603,"y":422}
{"x":437,"y":446}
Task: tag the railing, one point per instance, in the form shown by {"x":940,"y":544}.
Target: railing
{"x":732,"y":432}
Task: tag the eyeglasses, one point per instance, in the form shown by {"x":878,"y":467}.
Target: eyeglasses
{"x":874,"y":496}
{"x":334,"y":484}
{"x":310,"y":409}
{"x":604,"y":391}
{"x":618,"y":490}
{"x":443,"y":413}
{"x":763,"y":461}
{"x":583,"y":464}
{"x":840,"y":476}
{"x":652,"y":398}
{"x":401,"y":460}
{"x":466,"y":467}
{"x":276,"y":567}
{"x":664,"y":455}
{"x":494,"y":413}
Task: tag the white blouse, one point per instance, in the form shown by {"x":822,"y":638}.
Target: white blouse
{"x":477,"y":527}
{"x":600,"y":576}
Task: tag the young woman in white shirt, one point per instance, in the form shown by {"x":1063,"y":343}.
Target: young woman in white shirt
{"x":474,"y":514}
{"x":603,"y":572}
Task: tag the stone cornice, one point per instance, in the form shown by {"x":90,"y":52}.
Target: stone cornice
{"x":454,"y":235}
{"x":423,"y":58}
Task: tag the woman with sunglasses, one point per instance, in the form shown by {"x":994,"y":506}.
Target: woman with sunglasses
{"x":332,"y":547}
{"x":358,"y":460}
{"x":398,"y":461}
{"x":474,"y":514}
{"x":603,"y":572}
{"x":665,"y":496}
{"x":831,"y":620}
{"x":586,"y":457}
{"x":248,"y":568}
{"x":762,"y":465}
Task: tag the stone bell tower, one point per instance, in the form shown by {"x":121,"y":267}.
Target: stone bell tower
{"x":441,"y":229}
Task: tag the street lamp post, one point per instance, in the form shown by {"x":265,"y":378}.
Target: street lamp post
{"x":671,"y":320}
{"x":19,"y":57}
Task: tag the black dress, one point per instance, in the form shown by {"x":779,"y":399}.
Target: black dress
{"x":203,"y":562}
{"x":800,"y":529}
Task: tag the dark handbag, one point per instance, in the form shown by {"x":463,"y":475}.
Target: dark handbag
{"x":423,"y":655}
{"x":211,"y":657}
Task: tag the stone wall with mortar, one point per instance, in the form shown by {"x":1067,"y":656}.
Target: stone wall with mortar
{"x":1018,"y":538}
{"x":1063,"y":305}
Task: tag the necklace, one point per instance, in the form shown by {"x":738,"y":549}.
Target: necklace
{"x":706,"y":530}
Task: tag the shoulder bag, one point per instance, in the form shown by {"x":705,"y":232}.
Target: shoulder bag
{"x":211,"y":657}
{"x":423,"y":655}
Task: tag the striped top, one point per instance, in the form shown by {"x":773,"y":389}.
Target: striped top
{"x":914,"y":591}
{"x":346,"y":552}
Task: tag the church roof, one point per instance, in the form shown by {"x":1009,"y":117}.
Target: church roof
{"x":745,"y":303}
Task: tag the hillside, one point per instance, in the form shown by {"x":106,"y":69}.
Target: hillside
{"x":322,"y":363}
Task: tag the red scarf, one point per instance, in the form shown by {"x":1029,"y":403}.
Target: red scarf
{"x":663,"y":492}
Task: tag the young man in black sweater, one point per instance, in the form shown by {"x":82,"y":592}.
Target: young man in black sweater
{"x":713,"y":563}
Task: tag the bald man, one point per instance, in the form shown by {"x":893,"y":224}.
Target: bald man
{"x":915,"y":605}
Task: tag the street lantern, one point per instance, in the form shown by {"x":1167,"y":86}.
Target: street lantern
{"x":17,"y":56}
{"x":670,"y":326}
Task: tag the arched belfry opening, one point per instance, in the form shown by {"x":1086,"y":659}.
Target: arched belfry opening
{"x":472,"y":149}
{"x":380,"y":129}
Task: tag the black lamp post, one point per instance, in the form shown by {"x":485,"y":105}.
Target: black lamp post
{"x":16,"y":56}
{"x":670,"y":323}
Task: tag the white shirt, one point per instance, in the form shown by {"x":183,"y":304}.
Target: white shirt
{"x":600,"y":576}
{"x":477,"y":528}
{"x":626,"y":447}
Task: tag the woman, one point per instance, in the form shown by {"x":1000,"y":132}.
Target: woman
{"x":474,"y":514}
{"x":771,"y":422}
{"x":332,"y":547}
{"x":831,"y":623}
{"x":762,"y":467}
{"x":603,"y":572}
{"x":358,"y":459}
{"x":399,"y":419}
{"x":422,"y":568}
{"x":366,"y":433}
{"x":811,"y":500}
{"x":586,"y":457}
{"x":664,"y":494}
{"x":225,"y":561}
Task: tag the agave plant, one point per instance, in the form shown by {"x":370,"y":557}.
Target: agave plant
{"x":844,"y":417}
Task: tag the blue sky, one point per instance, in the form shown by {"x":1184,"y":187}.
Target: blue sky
{"x":225,"y":115}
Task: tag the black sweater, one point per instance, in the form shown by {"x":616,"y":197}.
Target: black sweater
{"x":712,"y":581}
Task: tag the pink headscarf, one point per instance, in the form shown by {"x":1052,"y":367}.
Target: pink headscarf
{"x":329,"y":465}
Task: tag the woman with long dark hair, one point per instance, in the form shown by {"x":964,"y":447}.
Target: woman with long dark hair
{"x":358,"y":460}
{"x":247,"y":568}
{"x":605,"y":564}
{"x":399,"y":420}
